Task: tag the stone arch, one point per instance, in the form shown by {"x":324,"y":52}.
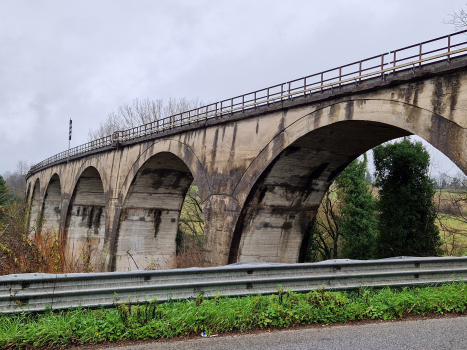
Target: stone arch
{"x":35,"y":205}
{"x":148,"y":220}
{"x":177,"y":148}
{"x":292,"y":173}
{"x":91,"y":162}
{"x":85,"y":220}
{"x":52,"y":204}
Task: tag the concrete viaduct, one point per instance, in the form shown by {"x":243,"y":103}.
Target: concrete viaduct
{"x":261,"y":169}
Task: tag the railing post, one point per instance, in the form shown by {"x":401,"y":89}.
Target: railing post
{"x":115,"y":139}
{"x":449,"y":45}
{"x":382,"y":66}
{"x":420,"y":56}
{"x":322,"y":82}
{"x":394,"y":64}
{"x":340,"y":76}
{"x":360,"y":71}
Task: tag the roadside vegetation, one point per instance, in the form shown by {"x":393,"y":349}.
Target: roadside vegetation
{"x":221,"y":314}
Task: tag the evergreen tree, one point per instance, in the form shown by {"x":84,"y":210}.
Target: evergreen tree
{"x":345,"y":225}
{"x":406,"y":220}
{"x":357,"y":220}
{"x":3,"y":192}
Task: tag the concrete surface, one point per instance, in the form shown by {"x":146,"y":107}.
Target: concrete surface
{"x":432,"y":334}
{"x":261,"y":174}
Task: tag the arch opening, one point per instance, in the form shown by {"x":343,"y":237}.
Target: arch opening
{"x":149,"y":219}
{"x":274,"y":223}
{"x":28,"y":193}
{"x":52,"y":206}
{"x":85,"y":222}
{"x":34,"y":223}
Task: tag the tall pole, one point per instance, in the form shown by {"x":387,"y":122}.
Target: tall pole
{"x":69,"y":139}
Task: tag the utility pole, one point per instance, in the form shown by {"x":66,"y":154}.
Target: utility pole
{"x":69,"y":139}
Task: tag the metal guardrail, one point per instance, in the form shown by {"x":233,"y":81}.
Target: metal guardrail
{"x":414,"y":56}
{"x":37,"y":292}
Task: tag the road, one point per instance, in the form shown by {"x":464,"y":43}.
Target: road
{"x":442,"y":333}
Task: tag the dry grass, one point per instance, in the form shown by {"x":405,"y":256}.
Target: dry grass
{"x":30,"y":250}
{"x":190,"y":253}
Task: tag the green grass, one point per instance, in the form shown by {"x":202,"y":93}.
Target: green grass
{"x":454,"y":239}
{"x":183,"y":318}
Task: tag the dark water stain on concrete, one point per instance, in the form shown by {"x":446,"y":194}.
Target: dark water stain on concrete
{"x":334,"y":112}
{"x":157,"y":221}
{"x":453,"y":84}
{"x":317,"y":118}
{"x":349,"y":110}
{"x":340,"y":168}
{"x":214,"y":146}
{"x":232,"y":146}
{"x":437,"y":96}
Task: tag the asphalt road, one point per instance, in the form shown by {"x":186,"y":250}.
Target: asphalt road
{"x":443,"y":333}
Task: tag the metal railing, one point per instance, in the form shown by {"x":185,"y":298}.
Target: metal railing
{"x":413,"y":56}
{"x":37,"y":292}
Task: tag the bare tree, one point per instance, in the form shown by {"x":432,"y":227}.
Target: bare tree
{"x":326,"y":233}
{"x":191,"y":218}
{"x":142,"y":112}
{"x":16,"y":181}
{"x":190,"y":235}
{"x":458,"y":19}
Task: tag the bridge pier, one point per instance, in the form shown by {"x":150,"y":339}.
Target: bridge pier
{"x":221,"y":213}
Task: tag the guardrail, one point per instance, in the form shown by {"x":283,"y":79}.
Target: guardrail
{"x":417,"y":55}
{"x":37,"y":292}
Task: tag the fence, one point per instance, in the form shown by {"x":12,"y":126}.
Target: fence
{"x":413,"y":56}
{"x":37,"y":292}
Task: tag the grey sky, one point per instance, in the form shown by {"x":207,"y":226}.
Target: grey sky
{"x":83,"y":59}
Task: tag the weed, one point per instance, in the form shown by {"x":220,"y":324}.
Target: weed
{"x":221,"y":314}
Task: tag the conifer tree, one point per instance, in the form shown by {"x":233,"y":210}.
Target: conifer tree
{"x":406,"y":219}
{"x":357,"y":220}
{"x":345,"y":226}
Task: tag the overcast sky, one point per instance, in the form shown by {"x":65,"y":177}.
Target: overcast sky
{"x":83,"y":59}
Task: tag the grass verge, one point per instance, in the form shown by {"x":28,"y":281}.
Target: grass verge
{"x":222,"y":314}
